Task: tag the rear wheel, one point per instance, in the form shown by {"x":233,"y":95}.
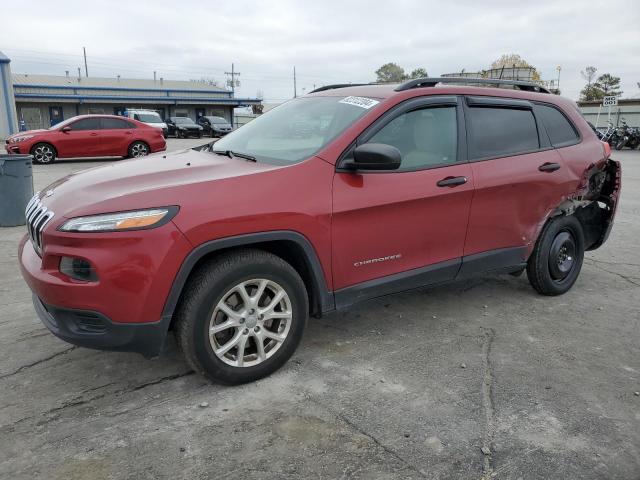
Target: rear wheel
{"x":43,"y":153}
{"x":242,"y":316}
{"x":138,"y":149}
{"x":556,"y":261}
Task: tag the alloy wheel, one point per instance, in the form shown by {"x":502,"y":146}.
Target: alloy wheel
{"x":43,"y":154}
{"x":250,"y":322}
{"x":139,"y":150}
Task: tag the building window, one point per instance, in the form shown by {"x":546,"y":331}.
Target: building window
{"x":96,"y":111}
{"x":32,"y":117}
{"x":181,"y":112}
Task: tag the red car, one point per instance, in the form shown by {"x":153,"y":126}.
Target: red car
{"x":89,"y":136}
{"x":339,"y":196}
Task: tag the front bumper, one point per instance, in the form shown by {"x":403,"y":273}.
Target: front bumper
{"x":13,"y":148}
{"x":92,"y":329}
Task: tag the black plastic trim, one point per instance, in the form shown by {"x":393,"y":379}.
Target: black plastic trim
{"x":325,"y":296}
{"x":501,"y":102}
{"x":66,"y":324}
{"x":503,"y":259}
{"x":465,"y":81}
{"x":398,"y":282}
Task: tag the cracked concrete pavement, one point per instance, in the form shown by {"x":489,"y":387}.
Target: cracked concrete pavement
{"x":478,"y":379}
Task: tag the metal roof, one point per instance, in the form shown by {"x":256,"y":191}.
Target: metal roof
{"x":74,"y":81}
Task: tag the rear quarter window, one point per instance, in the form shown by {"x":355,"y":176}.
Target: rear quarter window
{"x":561,"y":132}
{"x":499,"y":132}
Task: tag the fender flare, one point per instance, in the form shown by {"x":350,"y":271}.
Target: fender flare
{"x":325,"y":297}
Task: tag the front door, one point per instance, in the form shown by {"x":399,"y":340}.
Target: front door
{"x":55,"y":115}
{"x":403,"y":228}
{"x":82,"y":140}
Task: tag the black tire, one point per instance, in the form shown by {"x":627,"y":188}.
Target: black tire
{"x":200,"y":134}
{"x":138,"y":149}
{"x":209,"y":285}
{"x":43,"y":153}
{"x":179,"y":134}
{"x":212,"y":134}
{"x":557,"y":258}
{"x":620,"y":145}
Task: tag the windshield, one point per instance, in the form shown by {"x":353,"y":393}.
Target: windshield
{"x":217,"y":120}
{"x":296,"y":129}
{"x":182,"y":120}
{"x":148,"y":118}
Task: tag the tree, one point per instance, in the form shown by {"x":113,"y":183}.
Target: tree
{"x":418,"y":73}
{"x":390,"y":73}
{"x":605,"y":85}
{"x":589,"y":92}
{"x":608,"y":85}
{"x":513,"y":60}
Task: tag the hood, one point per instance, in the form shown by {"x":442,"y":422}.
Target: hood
{"x":28,"y":132}
{"x":152,"y":181}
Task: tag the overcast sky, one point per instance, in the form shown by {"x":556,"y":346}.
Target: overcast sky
{"x":328,"y":41}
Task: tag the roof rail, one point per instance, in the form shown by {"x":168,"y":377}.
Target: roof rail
{"x":432,"y":82}
{"x":339,"y":85}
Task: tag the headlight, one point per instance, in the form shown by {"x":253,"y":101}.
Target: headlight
{"x":21,"y":139}
{"x":121,"y":221}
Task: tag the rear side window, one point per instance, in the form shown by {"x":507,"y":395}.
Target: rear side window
{"x":86,"y":124}
{"x":114,"y":123}
{"x":497,"y":132}
{"x":560,"y":130}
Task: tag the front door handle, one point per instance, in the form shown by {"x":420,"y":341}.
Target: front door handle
{"x":549,"y":167}
{"x":452,"y":181}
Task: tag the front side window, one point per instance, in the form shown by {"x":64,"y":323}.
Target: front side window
{"x":560,"y":131}
{"x":425,"y":138}
{"x":496,"y":132}
{"x":86,"y":124}
{"x":297,"y":129}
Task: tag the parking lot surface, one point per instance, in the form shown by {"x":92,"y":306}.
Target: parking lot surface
{"x":478,"y":379}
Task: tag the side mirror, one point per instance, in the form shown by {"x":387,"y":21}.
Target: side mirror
{"x":66,"y":129}
{"x":375,"y":156}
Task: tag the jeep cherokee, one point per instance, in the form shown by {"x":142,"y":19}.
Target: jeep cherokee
{"x":345,"y":194}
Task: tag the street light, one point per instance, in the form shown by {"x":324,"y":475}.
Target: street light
{"x":558,"y":68}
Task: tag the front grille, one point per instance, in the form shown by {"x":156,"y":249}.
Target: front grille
{"x":37,"y":216}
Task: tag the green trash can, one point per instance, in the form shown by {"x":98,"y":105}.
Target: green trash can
{"x":16,"y":188}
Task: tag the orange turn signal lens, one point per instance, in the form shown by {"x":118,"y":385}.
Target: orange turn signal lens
{"x":139,"y":222}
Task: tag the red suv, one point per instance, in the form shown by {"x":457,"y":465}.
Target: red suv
{"x":89,"y":136}
{"x":343,"y":195}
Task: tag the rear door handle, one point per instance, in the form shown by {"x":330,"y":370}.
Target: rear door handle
{"x":452,"y":181}
{"x":549,"y":167}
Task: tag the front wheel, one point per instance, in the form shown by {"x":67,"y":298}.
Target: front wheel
{"x":242,"y":316}
{"x":557,"y":258}
{"x":43,"y":153}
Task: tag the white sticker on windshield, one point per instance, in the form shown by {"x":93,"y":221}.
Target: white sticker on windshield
{"x":361,"y":102}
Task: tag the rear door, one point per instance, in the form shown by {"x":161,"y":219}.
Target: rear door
{"x":399,"y":229}
{"x":82,"y":140}
{"x":116,"y":135}
{"x":519,"y":179}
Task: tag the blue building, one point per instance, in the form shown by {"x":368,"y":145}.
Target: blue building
{"x":44,"y":100}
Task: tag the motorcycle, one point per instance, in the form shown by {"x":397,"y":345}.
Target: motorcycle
{"x":626,"y":137}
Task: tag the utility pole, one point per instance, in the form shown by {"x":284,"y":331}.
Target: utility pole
{"x":86,"y":70}
{"x":233,"y":75}
{"x":295,"y":90}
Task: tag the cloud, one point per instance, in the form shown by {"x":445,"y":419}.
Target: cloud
{"x":328,"y":42}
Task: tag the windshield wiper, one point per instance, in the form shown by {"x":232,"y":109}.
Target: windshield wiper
{"x":232,"y":154}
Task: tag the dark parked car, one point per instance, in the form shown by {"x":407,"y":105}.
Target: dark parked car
{"x":215,"y":126}
{"x":183,"y":127}
{"x":392,"y":187}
